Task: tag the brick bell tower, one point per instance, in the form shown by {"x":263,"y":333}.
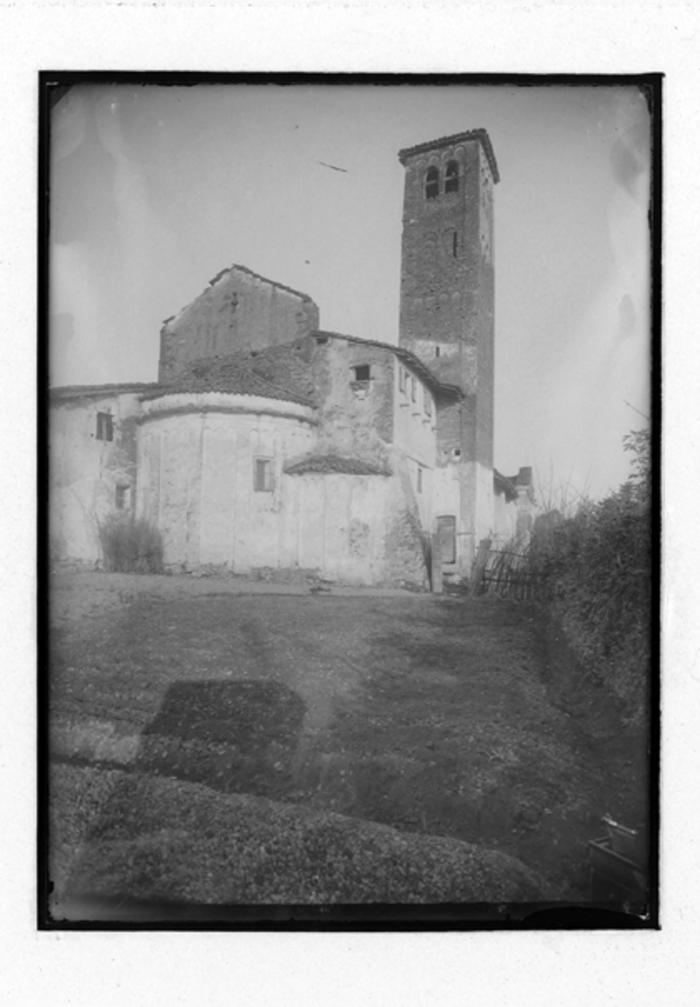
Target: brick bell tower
{"x":447,"y":317}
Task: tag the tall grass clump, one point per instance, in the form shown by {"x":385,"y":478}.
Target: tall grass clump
{"x":594,"y":566}
{"x":130,"y":545}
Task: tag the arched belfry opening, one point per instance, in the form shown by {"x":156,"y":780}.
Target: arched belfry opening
{"x":452,"y":176}
{"x":432,"y":183}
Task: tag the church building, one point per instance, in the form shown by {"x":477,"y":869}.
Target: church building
{"x":269,"y":443}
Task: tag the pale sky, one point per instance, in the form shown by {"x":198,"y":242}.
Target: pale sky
{"x":157,"y":189}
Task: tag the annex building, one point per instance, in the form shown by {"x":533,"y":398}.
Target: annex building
{"x":270,"y":443}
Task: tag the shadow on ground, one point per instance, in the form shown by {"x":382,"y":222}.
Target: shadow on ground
{"x":238,"y":737}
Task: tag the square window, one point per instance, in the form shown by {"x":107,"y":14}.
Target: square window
{"x":263,"y":476}
{"x":105,"y":427}
{"x":361,"y":372}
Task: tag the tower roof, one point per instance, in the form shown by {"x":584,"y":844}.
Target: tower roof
{"x":446,"y":141}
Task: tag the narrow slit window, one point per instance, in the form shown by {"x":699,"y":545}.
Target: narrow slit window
{"x":455,"y":245}
{"x":263,"y":477}
{"x":437,"y":351}
{"x":452,"y":177}
{"x":432,"y":183}
{"x":427,"y":406}
{"x":414,"y":389}
{"x":105,"y":427}
{"x":361,"y":372}
{"x":402,"y":379}
{"x":121,"y":497}
{"x":419,"y":480}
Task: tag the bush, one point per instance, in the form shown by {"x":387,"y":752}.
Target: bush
{"x":130,"y":546}
{"x":595,"y":567}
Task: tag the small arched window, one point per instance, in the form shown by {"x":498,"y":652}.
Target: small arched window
{"x":452,"y":177}
{"x":432,"y":183}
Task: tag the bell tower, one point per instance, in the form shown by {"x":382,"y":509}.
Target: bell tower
{"x":447,"y":313}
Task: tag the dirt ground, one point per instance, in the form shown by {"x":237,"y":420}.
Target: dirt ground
{"x":436,"y":715}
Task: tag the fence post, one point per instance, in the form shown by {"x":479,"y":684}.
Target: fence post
{"x":482,"y":556}
{"x":435,"y":564}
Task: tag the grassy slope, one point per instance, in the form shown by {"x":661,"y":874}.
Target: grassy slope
{"x":423,"y":714}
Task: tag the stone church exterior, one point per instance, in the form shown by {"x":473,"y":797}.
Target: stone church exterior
{"x":270,"y":443}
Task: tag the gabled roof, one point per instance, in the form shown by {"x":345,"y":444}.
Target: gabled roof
{"x":505,"y":485}
{"x":249,"y":272}
{"x":445,"y":141}
{"x":235,"y":374}
{"x":409,"y":358}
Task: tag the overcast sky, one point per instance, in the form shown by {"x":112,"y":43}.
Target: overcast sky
{"x":156,"y":189}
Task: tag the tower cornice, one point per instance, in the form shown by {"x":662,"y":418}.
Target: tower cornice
{"x":445,"y":141}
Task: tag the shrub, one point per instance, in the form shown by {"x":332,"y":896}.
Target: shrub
{"x":130,"y":546}
{"x":595,"y":568}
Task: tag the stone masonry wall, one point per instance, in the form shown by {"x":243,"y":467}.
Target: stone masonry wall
{"x":239,"y":311}
{"x":447,"y":287}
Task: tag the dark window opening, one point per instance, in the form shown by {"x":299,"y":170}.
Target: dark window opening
{"x":402,"y":379}
{"x":361,"y":372}
{"x":419,"y":480}
{"x":263,"y":481}
{"x":437,"y":351}
{"x":457,"y":453}
{"x":320,"y":340}
{"x":454,"y":244}
{"x":121,"y":495}
{"x":432,"y":183}
{"x":105,"y":427}
{"x":414,"y":387}
{"x":452,"y":177}
{"x":427,"y":407}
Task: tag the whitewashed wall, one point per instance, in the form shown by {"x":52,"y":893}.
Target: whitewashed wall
{"x":196,"y":477}
{"x":85,"y":471}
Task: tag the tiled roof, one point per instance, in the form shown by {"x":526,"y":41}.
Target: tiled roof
{"x":66,"y":392}
{"x":330,"y":464}
{"x":403,"y":354}
{"x":523,"y":478}
{"x":444,"y":141}
{"x":282,"y":365}
{"x":235,"y":374}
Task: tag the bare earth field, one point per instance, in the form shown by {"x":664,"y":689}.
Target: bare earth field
{"x":221,"y":741}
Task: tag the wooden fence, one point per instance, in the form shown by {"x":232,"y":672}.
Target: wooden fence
{"x":506,"y":573}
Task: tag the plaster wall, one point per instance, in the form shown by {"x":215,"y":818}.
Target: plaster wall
{"x":505,"y":518}
{"x":414,"y":416}
{"x":84,"y":472}
{"x":197,"y":481}
{"x":514,"y":519}
{"x":356,"y":418}
{"x":465,"y":490}
{"x":341,"y":525}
